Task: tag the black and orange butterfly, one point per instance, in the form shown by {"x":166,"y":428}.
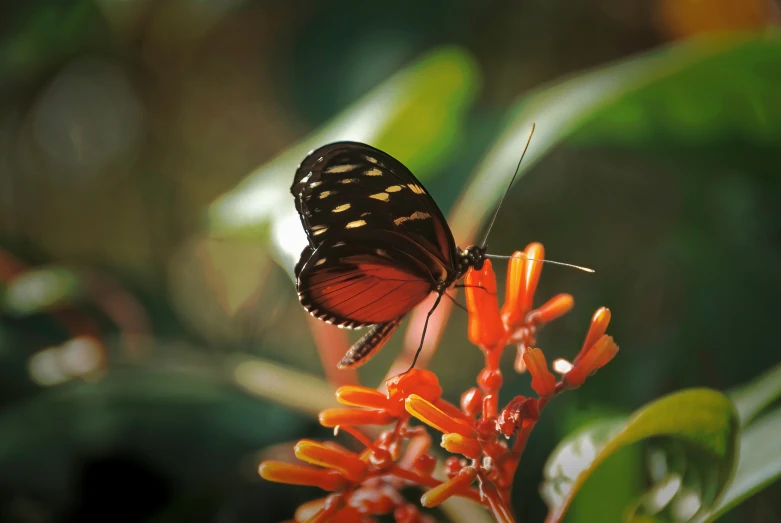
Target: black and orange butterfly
{"x":378,"y":243}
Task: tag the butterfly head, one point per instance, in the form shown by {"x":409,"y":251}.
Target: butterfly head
{"x":472,"y":256}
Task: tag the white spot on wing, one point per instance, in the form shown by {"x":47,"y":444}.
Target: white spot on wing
{"x":348,"y":180}
{"x":417,"y":189}
{"x":341,"y":208}
{"x":355,"y":224}
{"x":417,"y":215}
{"x":340,"y":169}
{"x":393,"y":188}
{"x":371,"y":159}
{"x":324,"y":194}
{"x":320,"y":262}
{"x":373,"y":172}
{"x":382,"y":196}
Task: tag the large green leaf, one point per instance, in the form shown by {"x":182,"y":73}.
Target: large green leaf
{"x":759,"y":457}
{"x":726,"y":97}
{"x":700,"y":425}
{"x":415,"y":116}
{"x":759,"y":464}
{"x":755,"y":396}
{"x":611,"y":104}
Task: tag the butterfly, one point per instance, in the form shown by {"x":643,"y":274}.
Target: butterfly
{"x":378,"y":243}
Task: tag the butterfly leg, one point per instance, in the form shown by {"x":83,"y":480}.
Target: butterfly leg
{"x":423,"y":336}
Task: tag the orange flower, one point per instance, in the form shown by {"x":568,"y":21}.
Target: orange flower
{"x":281,"y":472}
{"x":424,"y":383}
{"x":429,"y":414}
{"x":543,"y":381}
{"x":554,"y":308}
{"x":458,"y":444}
{"x":485,"y":323}
{"x":358,"y":396}
{"x":598,"y":327}
{"x":350,"y":417}
{"x":348,"y":464}
{"x":589,"y":362}
{"x":437,"y":495}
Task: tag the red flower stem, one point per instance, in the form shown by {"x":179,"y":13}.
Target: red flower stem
{"x":358,"y":435}
{"x":494,"y":500}
{"x":493,"y":356}
{"x":519,"y":445}
{"x":428,"y":481}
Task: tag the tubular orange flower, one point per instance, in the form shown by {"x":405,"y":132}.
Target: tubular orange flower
{"x":437,"y":495}
{"x":532,"y":270}
{"x":434,"y":417}
{"x":359,"y":396}
{"x":424,"y":383}
{"x":597,"y":329}
{"x":485,"y":323}
{"x":335,"y":417}
{"x":543,"y":381}
{"x":515,"y":291}
{"x":347,"y":463}
{"x":554,"y":308}
{"x":594,"y":359}
{"x":458,"y":444}
{"x":281,"y":472}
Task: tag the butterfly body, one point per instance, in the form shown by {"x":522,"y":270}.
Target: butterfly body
{"x":378,"y":245}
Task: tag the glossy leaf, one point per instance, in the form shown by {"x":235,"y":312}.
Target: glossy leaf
{"x":703,"y":421}
{"x":752,"y":398}
{"x":759,"y":464}
{"x":590,"y":107}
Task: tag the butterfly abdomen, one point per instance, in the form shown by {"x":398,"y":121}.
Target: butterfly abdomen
{"x":369,"y":343}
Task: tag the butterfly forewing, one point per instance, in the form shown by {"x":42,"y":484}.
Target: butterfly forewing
{"x":344,"y":187}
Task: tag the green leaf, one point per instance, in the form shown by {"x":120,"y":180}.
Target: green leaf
{"x":604,"y":105}
{"x":415,"y":116}
{"x":752,"y":398}
{"x":620,"y":474}
{"x":728,"y":92}
{"x":703,"y":421}
{"x":759,"y":464}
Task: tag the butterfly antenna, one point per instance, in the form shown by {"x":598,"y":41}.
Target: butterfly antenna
{"x":496,"y":213}
{"x":572,"y":266}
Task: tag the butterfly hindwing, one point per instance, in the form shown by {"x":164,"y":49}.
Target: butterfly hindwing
{"x":350,"y":286}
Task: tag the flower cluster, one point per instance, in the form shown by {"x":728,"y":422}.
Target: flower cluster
{"x":486,"y":442}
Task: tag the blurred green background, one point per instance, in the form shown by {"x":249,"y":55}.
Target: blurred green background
{"x":146,"y":150}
